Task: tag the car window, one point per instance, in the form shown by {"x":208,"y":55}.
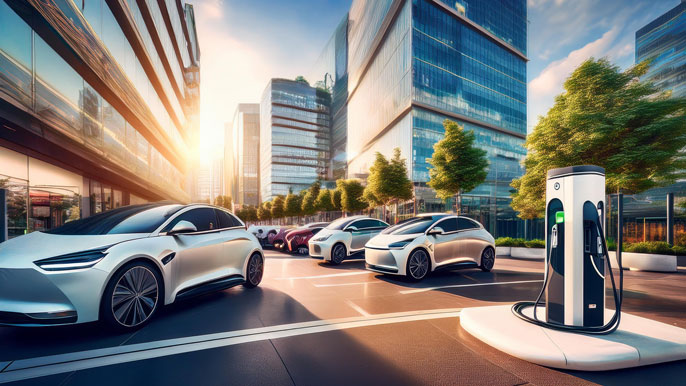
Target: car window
{"x":379,"y":224}
{"x":448,"y":225}
{"x":204,"y":219}
{"x":340,"y":223}
{"x":226,"y":220}
{"x":316,"y":230}
{"x":417,"y":225}
{"x":364,"y":224}
{"x":465,"y":223}
{"x":143,"y":218}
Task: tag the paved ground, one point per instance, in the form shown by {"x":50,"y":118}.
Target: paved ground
{"x":313,"y":324}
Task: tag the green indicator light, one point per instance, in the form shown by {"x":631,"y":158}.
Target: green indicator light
{"x":559,"y":217}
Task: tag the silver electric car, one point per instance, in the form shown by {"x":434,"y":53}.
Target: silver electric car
{"x":344,"y":238}
{"x":121,"y":265}
{"x":430,"y":242}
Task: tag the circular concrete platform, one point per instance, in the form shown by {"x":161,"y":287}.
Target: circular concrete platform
{"x":637,"y":342}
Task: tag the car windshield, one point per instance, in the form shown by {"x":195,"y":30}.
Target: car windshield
{"x":412,"y":225}
{"x":341,"y":223}
{"x":143,"y":218}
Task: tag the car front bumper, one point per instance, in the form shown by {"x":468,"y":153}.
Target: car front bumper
{"x":320,"y":250}
{"x":30,"y":297}
{"x":384,"y":260}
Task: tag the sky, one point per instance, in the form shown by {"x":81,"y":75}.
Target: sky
{"x":244,"y":43}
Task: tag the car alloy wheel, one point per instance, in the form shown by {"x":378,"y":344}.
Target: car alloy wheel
{"x":487,"y":260}
{"x":303,"y":250}
{"x":255,"y":271}
{"x":135,"y":296}
{"x":418,"y":265}
{"x":338,"y":254}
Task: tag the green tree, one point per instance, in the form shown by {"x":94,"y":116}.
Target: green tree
{"x":277,"y":207}
{"x":606,"y":117}
{"x":301,"y":79}
{"x":388,"y":182}
{"x":309,"y":204}
{"x":336,"y":197}
{"x":351,"y":195}
{"x":264,"y":212}
{"x":324,"y":201}
{"x":457,"y":165}
{"x":219,"y":201}
{"x":293,"y":205}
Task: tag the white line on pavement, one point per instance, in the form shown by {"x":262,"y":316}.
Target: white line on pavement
{"x":413,"y":291}
{"x":344,"y":284}
{"x":63,"y":363}
{"x":325,"y":276}
{"x":356,"y":307}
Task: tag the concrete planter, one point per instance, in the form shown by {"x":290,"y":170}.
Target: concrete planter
{"x":528,"y":253}
{"x":645,"y":261}
{"x":502,"y":251}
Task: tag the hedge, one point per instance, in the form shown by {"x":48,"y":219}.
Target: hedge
{"x":654,"y":247}
{"x":512,"y":242}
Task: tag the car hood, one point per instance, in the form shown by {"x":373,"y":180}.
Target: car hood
{"x":383,"y":240}
{"x":39,"y":245}
{"x":299,"y":232}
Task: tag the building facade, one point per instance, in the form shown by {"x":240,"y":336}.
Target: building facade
{"x":98,"y":106}
{"x":294,"y":137}
{"x":242,"y":155}
{"x":414,"y":63}
{"x":663,"y":41}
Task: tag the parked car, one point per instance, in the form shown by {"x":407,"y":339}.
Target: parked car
{"x":279,"y":239}
{"x":426,"y":243}
{"x":122,"y":265}
{"x":262,"y":233}
{"x":344,"y":238}
{"x":297,"y":239}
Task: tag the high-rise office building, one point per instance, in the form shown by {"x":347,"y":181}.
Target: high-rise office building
{"x":294,"y":137}
{"x":242,"y":155}
{"x":663,"y":41}
{"x":414,"y":63}
{"x":98,"y":106}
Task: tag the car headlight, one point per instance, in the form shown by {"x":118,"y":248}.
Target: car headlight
{"x":322,"y":238}
{"x":78,"y":260}
{"x":400,"y":244}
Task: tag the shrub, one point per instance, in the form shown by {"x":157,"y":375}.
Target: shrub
{"x":509,"y":242}
{"x":536,"y":243}
{"x":656,"y":247}
{"x":680,"y":240}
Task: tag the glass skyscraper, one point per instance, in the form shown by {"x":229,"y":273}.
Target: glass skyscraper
{"x":98,"y":106}
{"x":663,"y":41}
{"x":242,"y":155}
{"x":294,"y":137}
{"x":413,"y":64}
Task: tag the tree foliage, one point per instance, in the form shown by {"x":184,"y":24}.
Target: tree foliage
{"x":223,"y":201}
{"x":336,"y":198}
{"x":247,"y":213}
{"x":457,"y":165}
{"x":388,"y":181}
{"x":351,"y":195}
{"x":301,"y":79}
{"x":264,"y":212}
{"x":293,"y":205}
{"x":606,"y":117}
{"x":277,"y":208}
{"x":309,"y":204}
{"x":324,"y":201}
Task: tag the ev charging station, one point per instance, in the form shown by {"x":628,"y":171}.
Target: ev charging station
{"x":572,"y":329}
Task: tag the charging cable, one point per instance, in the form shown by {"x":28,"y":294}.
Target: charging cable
{"x":608,"y":328}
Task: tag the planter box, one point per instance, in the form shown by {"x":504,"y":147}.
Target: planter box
{"x":528,"y":253}
{"x":502,"y":251}
{"x":645,"y":261}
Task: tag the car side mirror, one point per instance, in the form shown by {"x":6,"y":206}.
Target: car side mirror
{"x":435,"y":231}
{"x":351,"y":228}
{"x":182,"y":227}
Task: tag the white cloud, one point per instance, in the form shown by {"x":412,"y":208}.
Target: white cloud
{"x":549,"y":82}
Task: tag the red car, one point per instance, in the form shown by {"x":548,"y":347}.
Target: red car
{"x":298,"y":239}
{"x":278,"y":239}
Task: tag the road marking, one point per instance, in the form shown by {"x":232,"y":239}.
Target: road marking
{"x":414,"y":291}
{"x":325,"y":276}
{"x":77,"y":361}
{"x":344,"y":284}
{"x":356,"y":307}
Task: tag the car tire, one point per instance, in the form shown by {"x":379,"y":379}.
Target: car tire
{"x":254,"y":271}
{"x":303,"y":250}
{"x":132,"y":296}
{"x":487,"y":259}
{"x":418,"y":265}
{"x":338,"y":254}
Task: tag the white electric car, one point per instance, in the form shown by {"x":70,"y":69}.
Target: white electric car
{"x":344,"y":238}
{"x":430,"y":242}
{"x":121,"y":265}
